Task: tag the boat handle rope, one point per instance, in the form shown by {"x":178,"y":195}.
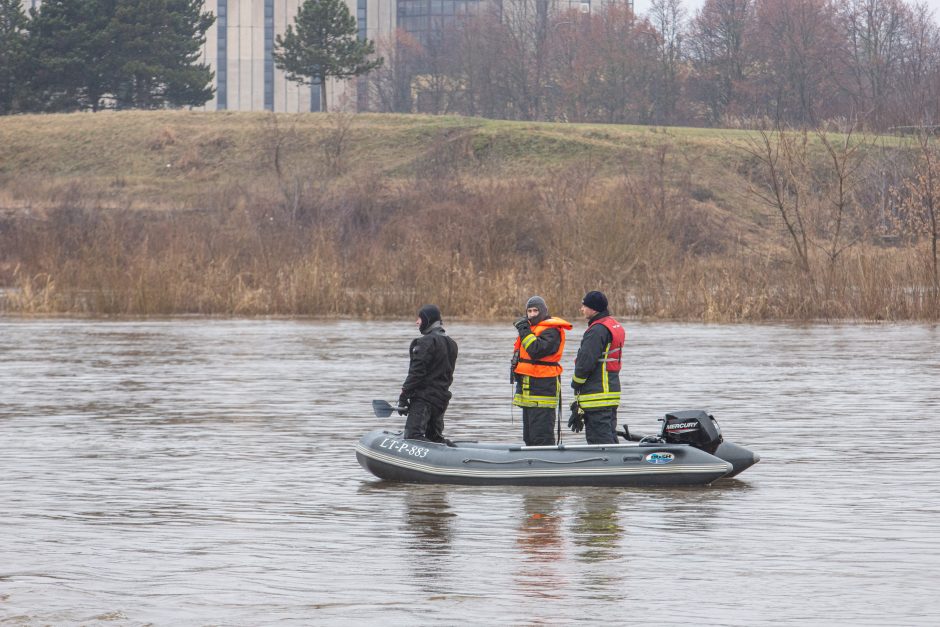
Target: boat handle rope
{"x":535,"y":459}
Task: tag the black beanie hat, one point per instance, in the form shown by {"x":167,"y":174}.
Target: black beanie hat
{"x":429,"y":314}
{"x":595,"y":300}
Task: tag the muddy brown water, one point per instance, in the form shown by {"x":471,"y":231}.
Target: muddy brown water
{"x":203,"y":472}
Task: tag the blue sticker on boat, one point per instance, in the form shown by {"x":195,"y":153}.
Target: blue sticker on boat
{"x":660,"y":457}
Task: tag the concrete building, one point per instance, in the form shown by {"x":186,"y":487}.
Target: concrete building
{"x":239,"y":48}
{"x":240,"y":45}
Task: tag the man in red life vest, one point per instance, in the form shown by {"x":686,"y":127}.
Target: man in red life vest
{"x":425,"y":393}
{"x":596,"y":379}
{"x":537,"y":371}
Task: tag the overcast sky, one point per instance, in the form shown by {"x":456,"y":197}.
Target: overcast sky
{"x":691,"y":6}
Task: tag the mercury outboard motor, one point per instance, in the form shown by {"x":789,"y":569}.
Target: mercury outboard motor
{"x":694,"y":427}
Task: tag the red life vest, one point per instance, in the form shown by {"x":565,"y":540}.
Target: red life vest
{"x":549,"y":365}
{"x":614,"y":350}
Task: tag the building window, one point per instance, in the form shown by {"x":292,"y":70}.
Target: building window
{"x":221,"y":50}
{"x":421,"y":18}
{"x":315,"y":95}
{"x":269,"y":55}
{"x":361,"y":15}
{"x":362,"y":85}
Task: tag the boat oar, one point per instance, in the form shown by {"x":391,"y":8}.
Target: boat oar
{"x":384,"y":409}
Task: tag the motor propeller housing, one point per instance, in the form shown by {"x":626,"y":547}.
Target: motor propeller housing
{"x":695,"y":427}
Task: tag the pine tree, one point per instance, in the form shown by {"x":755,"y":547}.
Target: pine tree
{"x":12,"y":46}
{"x":159,"y":43}
{"x":69,"y":43}
{"x":91,"y":54}
{"x":322,"y":43}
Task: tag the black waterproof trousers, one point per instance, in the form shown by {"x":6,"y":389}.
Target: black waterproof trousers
{"x":600,"y":425}
{"x":425,"y":422}
{"x":538,"y":426}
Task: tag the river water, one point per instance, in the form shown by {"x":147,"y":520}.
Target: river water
{"x":202,"y":472}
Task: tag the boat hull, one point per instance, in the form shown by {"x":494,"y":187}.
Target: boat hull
{"x":389,"y":456}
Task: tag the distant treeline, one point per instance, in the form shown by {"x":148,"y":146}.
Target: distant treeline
{"x":72,"y":55}
{"x":730,"y":64}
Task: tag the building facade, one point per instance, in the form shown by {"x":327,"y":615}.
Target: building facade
{"x":240,"y":46}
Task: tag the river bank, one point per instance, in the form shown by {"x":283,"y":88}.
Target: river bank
{"x":162,"y":213}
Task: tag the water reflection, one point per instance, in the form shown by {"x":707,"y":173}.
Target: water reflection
{"x":686,"y":509}
{"x":540,"y":541}
{"x":598,"y":534}
{"x":430,"y":520}
{"x":595,"y":528}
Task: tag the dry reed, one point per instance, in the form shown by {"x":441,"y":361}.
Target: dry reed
{"x":476,"y":249}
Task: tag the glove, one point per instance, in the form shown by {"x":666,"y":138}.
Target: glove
{"x":576,"y":421}
{"x":576,"y":387}
{"x":523,"y":327}
{"x":403,"y":404}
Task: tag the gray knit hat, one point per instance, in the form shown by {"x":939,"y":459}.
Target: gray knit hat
{"x":538,"y":301}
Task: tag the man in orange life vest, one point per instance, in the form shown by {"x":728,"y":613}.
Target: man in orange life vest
{"x":537,"y":369}
{"x":596,"y":379}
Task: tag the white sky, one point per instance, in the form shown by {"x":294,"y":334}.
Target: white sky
{"x":691,"y":6}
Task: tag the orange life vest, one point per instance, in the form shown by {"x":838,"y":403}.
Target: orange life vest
{"x":549,"y":365}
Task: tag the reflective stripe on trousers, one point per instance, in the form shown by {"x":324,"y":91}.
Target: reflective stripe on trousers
{"x":527,"y":399}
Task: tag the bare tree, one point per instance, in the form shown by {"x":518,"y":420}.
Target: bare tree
{"x":795,"y":43}
{"x":526,"y":30}
{"x":780,"y":182}
{"x":920,"y":204}
{"x":815,"y":197}
{"x":478,"y":49}
{"x":918,"y":97}
{"x":391,"y":84}
{"x":627,"y":58}
{"x":716,"y":47}
{"x":873,"y":31}
{"x":838,"y":222}
{"x":668,"y":17}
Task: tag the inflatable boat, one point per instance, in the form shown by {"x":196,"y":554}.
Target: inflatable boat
{"x":689,"y":450}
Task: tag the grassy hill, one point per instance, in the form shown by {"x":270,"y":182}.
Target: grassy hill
{"x":169,"y":157}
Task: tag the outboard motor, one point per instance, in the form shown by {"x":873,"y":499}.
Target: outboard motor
{"x":694,"y":427}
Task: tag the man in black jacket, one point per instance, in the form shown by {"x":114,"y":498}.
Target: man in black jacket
{"x":596,"y":379}
{"x":426,"y":390}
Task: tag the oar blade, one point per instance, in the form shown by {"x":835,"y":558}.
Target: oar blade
{"x":382,"y":409}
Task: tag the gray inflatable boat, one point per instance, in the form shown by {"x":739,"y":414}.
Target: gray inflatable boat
{"x":689,"y":451}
